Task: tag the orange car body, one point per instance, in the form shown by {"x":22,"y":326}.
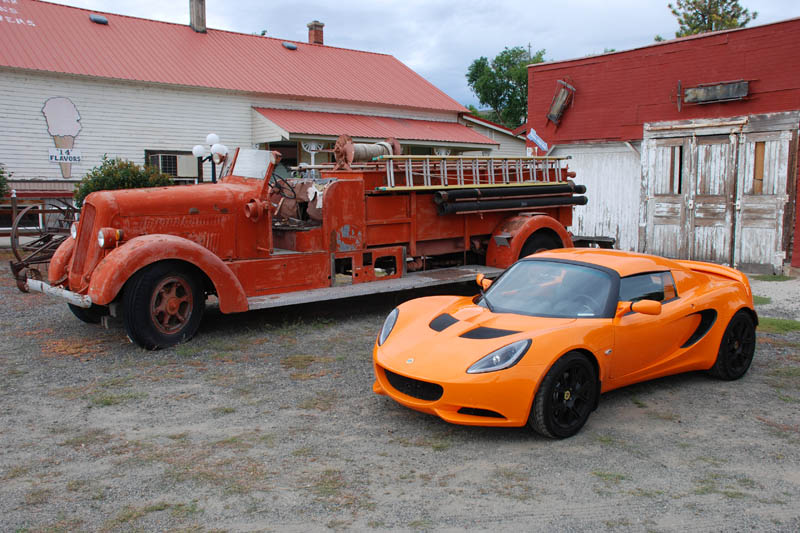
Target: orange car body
{"x":626,"y":347}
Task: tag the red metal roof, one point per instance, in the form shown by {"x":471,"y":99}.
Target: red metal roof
{"x":56,"y":38}
{"x":371,"y":127}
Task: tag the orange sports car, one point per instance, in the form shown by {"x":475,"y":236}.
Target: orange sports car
{"x":541,"y":343}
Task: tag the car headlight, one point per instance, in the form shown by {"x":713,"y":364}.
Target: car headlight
{"x":108,"y":237}
{"x":388,"y":325}
{"x":505,"y":357}
{"x":73,"y":230}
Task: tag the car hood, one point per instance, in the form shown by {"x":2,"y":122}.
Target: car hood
{"x":415,"y":347}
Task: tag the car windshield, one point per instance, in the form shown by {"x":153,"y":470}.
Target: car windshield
{"x":550,"y":289}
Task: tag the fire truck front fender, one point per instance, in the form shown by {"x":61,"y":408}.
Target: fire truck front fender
{"x":57,"y":271}
{"x":124,"y":261}
{"x":508,"y":238}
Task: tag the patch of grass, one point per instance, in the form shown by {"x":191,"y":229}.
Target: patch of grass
{"x":187,"y":350}
{"x":74,"y":485}
{"x":330,"y":484}
{"x":724,"y":484}
{"x":761,"y":300}
{"x":610,"y":478}
{"x":437,"y":444}
{"x":772,"y":277}
{"x":305,"y":451}
{"x":787,"y":399}
{"x":88,"y":438}
{"x":789,"y":372}
{"x":37,"y":496}
{"x":644,"y":493}
{"x":15,"y":472}
{"x":130,"y":513}
{"x":777,"y":325}
{"x":222,"y":411}
{"x":322,"y":401}
{"x":107,"y":399}
{"x":638,"y":403}
{"x":302,"y":362}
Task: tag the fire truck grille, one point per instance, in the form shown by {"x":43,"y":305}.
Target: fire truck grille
{"x":85,"y":232}
{"x":421,"y":390}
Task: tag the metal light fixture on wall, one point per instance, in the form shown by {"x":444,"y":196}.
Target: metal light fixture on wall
{"x":214,"y":152}
{"x":561,"y":100}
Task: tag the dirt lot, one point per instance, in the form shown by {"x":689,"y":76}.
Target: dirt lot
{"x":266,"y":421}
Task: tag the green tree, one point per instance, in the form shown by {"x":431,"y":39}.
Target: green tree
{"x":3,"y":181}
{"x":700,"y":16}
{"x":118,"y":173}
{"x":502,"y":83}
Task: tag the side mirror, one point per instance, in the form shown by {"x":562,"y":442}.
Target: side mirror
{"x":622,"y":309}
{"x":483,"y":282}
{"x":646,"y":307}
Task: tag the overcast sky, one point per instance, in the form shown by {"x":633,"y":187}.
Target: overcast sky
{"x":439,"y":39}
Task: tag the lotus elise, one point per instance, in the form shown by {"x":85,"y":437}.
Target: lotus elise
{"x":556,"y":329}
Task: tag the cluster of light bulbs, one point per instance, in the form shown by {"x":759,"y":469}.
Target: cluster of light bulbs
{"x":218,"y":151}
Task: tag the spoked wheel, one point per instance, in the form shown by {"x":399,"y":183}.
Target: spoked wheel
{"x":736,"y":349}
{"x":162,"y":305}
{"x":566,"y":397}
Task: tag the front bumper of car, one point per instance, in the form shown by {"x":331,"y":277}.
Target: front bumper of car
{"x":501,"y":398}
{"x":79,"y":300}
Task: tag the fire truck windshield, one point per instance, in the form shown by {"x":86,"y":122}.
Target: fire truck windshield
{"x":247,"y":163}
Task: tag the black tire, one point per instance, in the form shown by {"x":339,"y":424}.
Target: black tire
{"x":90,"y":315}
{"x":736,"y":348}
{"x":539,"y":242}
{"x":566,"y":397}
{"x":162,"y":305}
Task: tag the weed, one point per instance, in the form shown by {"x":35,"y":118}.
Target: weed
{"x":644,"y":493}
{"x":622,"y":522}
{"x":330,"y":484}
{"x":322,"y":401}
{"x":75,"y":485}
{"x":772,"y":277}
{"x":37,"y":497}
{"x":789,"y":372}
{"x":302,"y":362}
{"x":638,"y":403}
{"x":787,"y":399}
{"x":88,"y":438}
{"x":777,"y":325}
{"x":108,"y":399}
{"x":222,"y":411}
{"x":305,"y":451}
{"x":420,"y":525}
{"x":610,"y":478}
{"x":187,"y":350}
{"x":15,"y":472}
{"x":761,"y":300}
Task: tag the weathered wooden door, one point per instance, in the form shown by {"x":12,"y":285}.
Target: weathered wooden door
{"x":716,"y":190}
{"x":762,"y":203}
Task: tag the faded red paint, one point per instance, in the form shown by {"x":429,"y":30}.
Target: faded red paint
{"x":617,"y":93}
{"x":510,"y":236}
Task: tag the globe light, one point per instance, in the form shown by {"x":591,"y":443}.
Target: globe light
{"x":212,"y":138}
{"x":219,"y":149}
{"x":199,"y":150}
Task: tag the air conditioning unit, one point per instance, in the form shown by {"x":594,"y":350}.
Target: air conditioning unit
{"x":187,"y":166}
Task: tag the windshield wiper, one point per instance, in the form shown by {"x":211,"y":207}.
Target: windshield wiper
{"x":486,"y":301}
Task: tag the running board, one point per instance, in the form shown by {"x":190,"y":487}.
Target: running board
{"x":412,"y":280}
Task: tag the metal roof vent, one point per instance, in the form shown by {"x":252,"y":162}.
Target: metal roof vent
{"x":98,"y":19}
{"x":289,"y":46}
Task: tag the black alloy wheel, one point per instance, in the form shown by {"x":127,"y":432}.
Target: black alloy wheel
{"x":566,"y":397}
{"x":736,"y":348}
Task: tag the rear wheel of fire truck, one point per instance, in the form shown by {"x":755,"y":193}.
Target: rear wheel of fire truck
{"x":92,"y":315}
{"x":162,"y":305}
{"x":540,"y":241}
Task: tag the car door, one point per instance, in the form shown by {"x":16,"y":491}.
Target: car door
{"x":644,"y":344}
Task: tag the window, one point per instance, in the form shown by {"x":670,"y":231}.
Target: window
{"x":166,"y":163}
{"x":182,"y":166}
{"x":658,"y":286}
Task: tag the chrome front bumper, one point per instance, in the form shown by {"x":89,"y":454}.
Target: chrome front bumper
{"x":74,"y":298}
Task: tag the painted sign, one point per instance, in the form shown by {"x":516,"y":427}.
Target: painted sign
{"x":538,"y":141}
{"x":63,"y":125}
{"x":65,"y":155}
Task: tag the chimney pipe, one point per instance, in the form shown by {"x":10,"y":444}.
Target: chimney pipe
{"x":315,"y":32}
{"x":197,"y":15}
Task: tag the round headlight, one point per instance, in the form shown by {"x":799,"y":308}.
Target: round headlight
{"x":73,"y":230}
{"x":101,"y":239}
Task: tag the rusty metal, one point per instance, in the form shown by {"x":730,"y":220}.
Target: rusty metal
{"x":47,"y":237}
{"x":347,"y":152}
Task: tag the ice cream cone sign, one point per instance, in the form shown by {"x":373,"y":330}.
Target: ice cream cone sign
{"x":63,"y":124}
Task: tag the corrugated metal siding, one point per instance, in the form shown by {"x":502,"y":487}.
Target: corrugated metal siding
{"x":612,"y":175}
{"x":63,"y":39}
{"x":371,"y":127}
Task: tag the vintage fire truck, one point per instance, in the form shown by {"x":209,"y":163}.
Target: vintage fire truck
{"x":256,"y":240}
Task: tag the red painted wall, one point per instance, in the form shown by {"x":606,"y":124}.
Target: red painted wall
{"x":617,"y":93}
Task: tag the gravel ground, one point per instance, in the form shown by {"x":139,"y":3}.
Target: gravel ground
{"x":266,"y":421}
